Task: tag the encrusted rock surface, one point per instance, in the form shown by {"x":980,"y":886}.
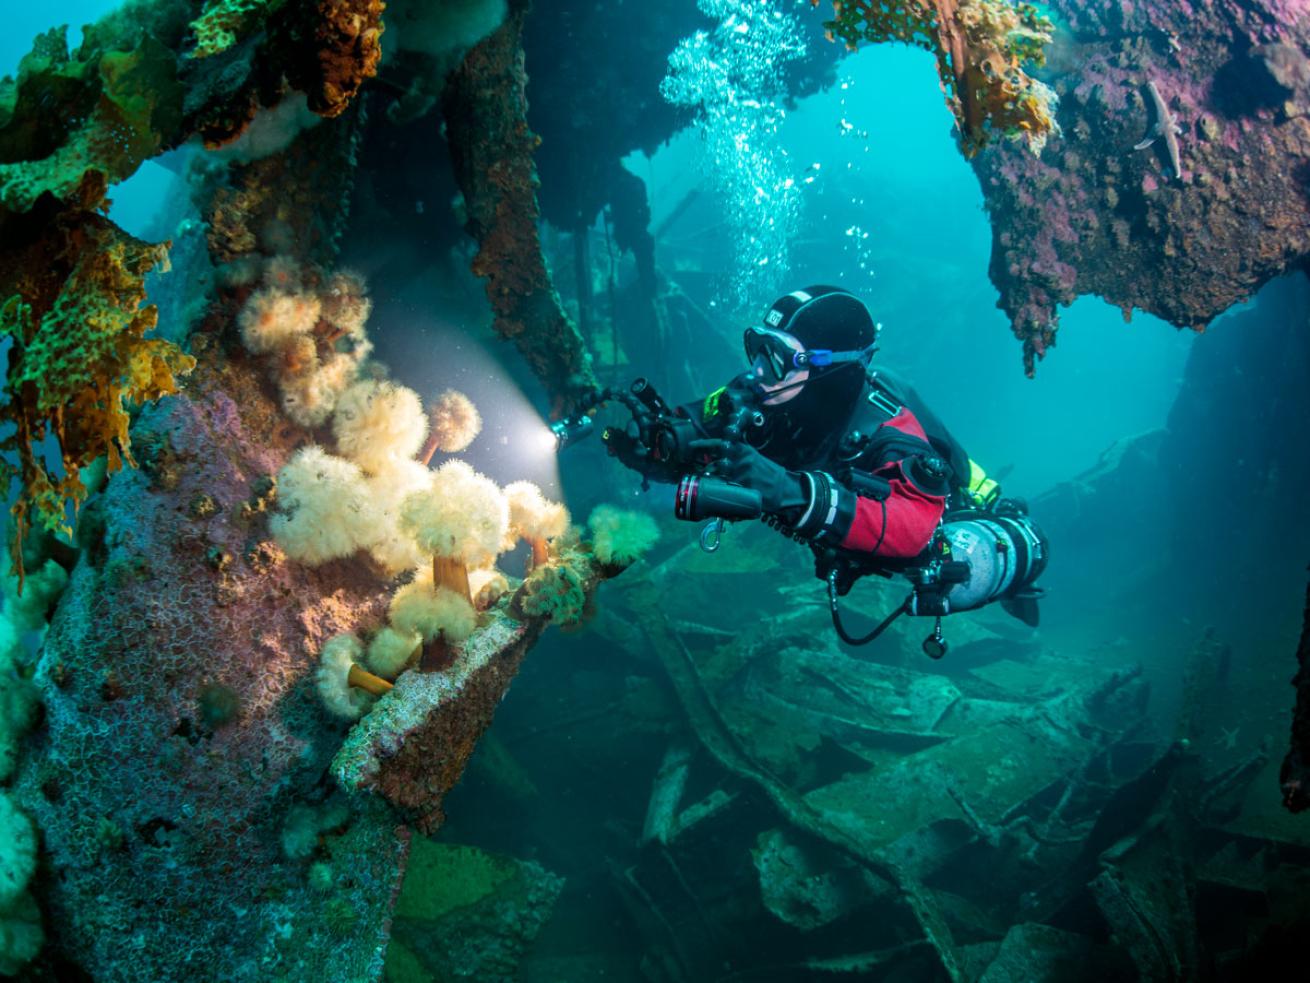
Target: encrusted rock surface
{"x":191,"y":811}
{"x":182,"y":725}
{"x":1094,"y":215}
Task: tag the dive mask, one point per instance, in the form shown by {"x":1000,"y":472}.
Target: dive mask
{"x":781,"y":364}
{"x":775,"y":364}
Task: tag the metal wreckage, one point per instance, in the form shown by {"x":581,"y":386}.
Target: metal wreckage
{"x":805,"y":812}
{"x":810,"y":812}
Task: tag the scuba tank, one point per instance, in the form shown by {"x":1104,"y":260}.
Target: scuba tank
{"x":976,"y":558}
{"x":981,"y":557}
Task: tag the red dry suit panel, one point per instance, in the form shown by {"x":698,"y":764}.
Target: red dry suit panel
{"x":903,"y":525}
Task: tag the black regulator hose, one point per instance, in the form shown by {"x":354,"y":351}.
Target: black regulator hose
{"x":841,"y":629}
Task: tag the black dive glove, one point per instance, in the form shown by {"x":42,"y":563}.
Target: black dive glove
{"x":633,"y":454}
{"x":780,"y":490}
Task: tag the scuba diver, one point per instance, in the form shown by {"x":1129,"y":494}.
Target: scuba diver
{"x":845,"y":458}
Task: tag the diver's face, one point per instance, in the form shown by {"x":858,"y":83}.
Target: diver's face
{"x":772,"y":355}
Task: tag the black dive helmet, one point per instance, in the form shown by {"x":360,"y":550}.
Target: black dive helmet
{"x":809,"y":357}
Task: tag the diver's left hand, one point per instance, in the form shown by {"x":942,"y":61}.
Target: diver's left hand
{"x":743,"y":465}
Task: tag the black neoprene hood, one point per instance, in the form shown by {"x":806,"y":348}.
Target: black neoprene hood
{"x":819,"y":317}
{"x":823,"y":317}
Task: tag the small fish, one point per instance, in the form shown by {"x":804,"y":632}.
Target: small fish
{"x":1165,"y":126}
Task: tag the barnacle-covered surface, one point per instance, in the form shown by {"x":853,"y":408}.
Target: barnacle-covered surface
{"x":413,"y":746}
{"x":1182,"y":238}
{"x":141,"y":789}
{"x":985,"y":50}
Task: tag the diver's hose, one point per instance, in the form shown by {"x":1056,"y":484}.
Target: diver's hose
{"x":841,"y":629}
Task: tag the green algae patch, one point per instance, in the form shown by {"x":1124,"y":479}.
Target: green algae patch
{"x":71,"y":308}
{"x":464,"y":913}
{"x":124,"y":106}
{"x":225,"y":22}
{"x":443,"y":878}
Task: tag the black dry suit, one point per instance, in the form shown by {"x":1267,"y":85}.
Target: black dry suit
{"x":882,"y":478}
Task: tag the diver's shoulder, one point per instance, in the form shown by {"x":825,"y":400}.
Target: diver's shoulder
{"x":889,"y":380}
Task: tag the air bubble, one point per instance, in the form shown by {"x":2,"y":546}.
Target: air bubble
{"x":732,"y":75}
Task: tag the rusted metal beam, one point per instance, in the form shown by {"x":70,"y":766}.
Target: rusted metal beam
{"x":484,"y":106}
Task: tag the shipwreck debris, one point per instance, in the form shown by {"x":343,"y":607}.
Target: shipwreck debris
{"x":1089,"y":219}
{"x":1295,"y":774}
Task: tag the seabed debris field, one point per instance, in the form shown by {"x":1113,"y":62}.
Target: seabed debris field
{"x":544,"y":491}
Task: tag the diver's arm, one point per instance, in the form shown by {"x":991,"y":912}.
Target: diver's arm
{"x":891,"y":510}
{"x":889,"y":516}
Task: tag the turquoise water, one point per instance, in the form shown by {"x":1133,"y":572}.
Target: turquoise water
{"x":924,"y":274}
{"x":1174,"y":584}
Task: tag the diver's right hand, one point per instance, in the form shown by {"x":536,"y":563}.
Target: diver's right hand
{"x":740,"y":463}
{"x":632,"y":454}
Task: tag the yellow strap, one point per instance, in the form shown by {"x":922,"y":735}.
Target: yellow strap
{"x":711,"y":407}
{"x":982,"y":489}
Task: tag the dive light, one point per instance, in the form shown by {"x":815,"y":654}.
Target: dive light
{"x":570,"y":430}
{"x":700,"y":498}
